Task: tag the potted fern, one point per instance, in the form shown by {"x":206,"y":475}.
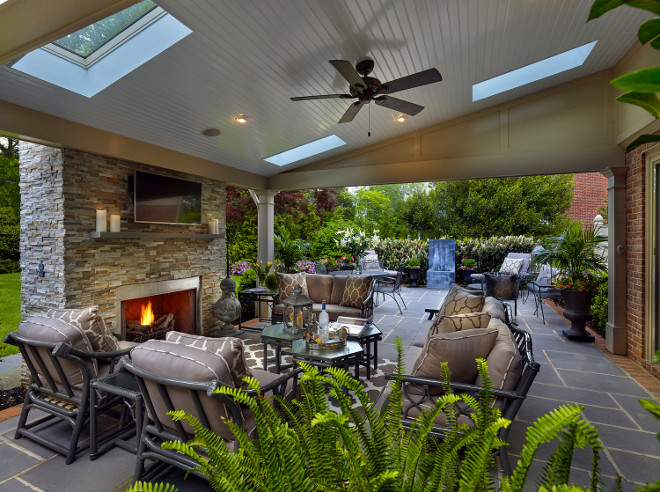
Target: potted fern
{"x":414,"y":271}
{"x":304,"y":445}
{"x":577,"y":254}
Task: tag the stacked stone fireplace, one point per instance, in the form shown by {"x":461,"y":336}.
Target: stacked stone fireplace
{"x":177,"y":267}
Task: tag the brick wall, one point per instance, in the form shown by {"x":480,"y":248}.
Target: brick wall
{"x":590,"y":193}
{"x":635,"y":278}
{"x":60,"y":192}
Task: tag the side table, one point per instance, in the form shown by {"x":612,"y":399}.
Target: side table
{"x":349,"y":355}
{"x":369,"y":341}
{"x":259,"y":295}
{"x":278,"y":338}
{"x":125,"y":385}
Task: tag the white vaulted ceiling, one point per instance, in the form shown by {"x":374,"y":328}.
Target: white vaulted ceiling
{"x":251,"y":56}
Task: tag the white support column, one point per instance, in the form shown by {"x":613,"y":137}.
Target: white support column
{"x":616,"y":329}
{"x":265,"y":200}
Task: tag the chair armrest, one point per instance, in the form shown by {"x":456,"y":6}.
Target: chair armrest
{"x":432,"y":312}
{"x":280,"y":380}
{"x":117,"y":335}
{"x":457,"y":387}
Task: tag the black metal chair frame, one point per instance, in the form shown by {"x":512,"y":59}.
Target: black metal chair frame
{"x":516,"y":279}
{"x":542,"y":291}
{"x":60,"y":403}
{"x":154,"y":432}
{"x":391,"y":286}
{"x":512,"y":399}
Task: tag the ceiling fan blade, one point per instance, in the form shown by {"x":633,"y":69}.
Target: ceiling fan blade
{"x":347,"y":70}
{"x":350,"y":113}
{"x":429,"y":76}
{"x":399,"y":105}
{"x":323,"y":96}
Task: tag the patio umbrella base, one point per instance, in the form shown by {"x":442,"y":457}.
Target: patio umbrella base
{"x":578,"y":336}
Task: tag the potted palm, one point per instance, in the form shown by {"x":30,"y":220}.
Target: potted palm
{"x":578,"y":256}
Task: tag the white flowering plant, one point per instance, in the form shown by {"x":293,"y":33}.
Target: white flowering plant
{"x":356,"y":242}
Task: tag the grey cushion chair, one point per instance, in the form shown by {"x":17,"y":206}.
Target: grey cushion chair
{"x":523,"y":268}
{"x":512,"y":348}
{"x":62,"y":365}
{"x":504,"y":287}
{"x":182,"y":373}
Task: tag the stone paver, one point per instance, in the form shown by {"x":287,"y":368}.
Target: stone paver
{"x":571,"y":372}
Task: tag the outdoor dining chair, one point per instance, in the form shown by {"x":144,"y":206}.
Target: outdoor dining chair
{"x":388,"y":286}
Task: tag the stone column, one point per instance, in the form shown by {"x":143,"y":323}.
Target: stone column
{"x":616,"y":332}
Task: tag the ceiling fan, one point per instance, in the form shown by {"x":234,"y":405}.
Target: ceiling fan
{"x":366,"y":89}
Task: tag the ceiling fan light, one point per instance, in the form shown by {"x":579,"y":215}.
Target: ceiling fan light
{"x":400,"y":119}
{"x":241,"y":118}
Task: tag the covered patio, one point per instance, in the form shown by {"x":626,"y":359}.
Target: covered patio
{"x":571,"y":372}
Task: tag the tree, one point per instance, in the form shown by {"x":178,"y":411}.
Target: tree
{"x":535,"y":205}
{"x":10,"y":195}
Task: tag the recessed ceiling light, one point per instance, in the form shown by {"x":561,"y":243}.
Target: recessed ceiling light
{"x":306,"y":150}
{"x":241,"y":118}
{"x":400,"y":118}
{"x":533,"y":72}
{"x":211,"y":132}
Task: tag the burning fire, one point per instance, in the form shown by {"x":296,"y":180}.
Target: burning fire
{"x":147,"y":317}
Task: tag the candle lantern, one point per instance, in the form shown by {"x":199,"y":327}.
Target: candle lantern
{"x":298,"y":309}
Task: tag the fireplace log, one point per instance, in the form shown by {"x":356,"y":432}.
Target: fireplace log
{"x":141,"y":333}
{"x":163,"y":321}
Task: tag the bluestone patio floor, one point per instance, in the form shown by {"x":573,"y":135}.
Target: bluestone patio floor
{"x":571,"y":372}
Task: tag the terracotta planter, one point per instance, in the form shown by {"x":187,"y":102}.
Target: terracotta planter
{"x":578,"y":311}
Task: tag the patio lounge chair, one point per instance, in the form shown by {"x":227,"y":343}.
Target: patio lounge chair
{"x":62,"y":365}
{"x":511,"y":265}
{"x":506,"y":348}
{"x":182,"y":373}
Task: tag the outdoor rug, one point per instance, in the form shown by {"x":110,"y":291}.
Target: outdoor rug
{"x":254,"y":353}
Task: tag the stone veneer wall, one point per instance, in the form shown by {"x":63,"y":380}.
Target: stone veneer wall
{"x":60,"y":192}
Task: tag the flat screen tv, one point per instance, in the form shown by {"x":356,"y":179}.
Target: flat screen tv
{"x":163,"y":200}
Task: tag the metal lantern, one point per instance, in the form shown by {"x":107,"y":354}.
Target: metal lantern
{"x":227,"y":309}
{"x":298,"y":310}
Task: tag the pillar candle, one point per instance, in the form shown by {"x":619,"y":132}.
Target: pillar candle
{"x":101,"y":220}
{"x":216,"y":226}
{"x":211,"y":227}
{"x":115,"y":223}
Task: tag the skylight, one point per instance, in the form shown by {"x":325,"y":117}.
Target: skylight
{"x":98,"y":55}
{"x":89,"y":39}
{"x":533,"y":72}
{"x":306,"y":150}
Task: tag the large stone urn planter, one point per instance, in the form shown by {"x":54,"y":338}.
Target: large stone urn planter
{"x":413,"y":276}
{"x":577,"y":309}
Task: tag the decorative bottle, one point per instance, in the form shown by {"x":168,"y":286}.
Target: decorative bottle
{"x":324,"y":322}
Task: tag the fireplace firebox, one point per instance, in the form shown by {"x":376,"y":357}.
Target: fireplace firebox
{"x":150,"y":310}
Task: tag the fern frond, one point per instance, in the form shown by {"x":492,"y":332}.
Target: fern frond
{"x":150,"y":487}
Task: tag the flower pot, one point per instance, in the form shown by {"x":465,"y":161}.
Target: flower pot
{"x":413,"y":275}
{"x":467,"y":276}
{"x":578,"y":311}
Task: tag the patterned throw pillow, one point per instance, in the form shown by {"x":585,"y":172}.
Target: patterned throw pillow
{"x":511,"y":266}
{"x":356,"y":291}
{"x":91,"y":323}
{"x":501,"y":286}
{"x":459,"y":350}
{"x":494,"y":308}
{"x":230,"y":349}
{"x":459,"y":301}
{"x":288,"y":281}
{"x":458,"y":322}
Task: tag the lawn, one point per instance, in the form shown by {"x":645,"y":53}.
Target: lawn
{"x":10,"y":308}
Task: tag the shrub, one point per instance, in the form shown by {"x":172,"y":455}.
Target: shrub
{"x":489,"y":253}
{"x":247,"y":281}
{"x":306,"y":266}
{"x":599,"y":306}
{"x":240,"y":267}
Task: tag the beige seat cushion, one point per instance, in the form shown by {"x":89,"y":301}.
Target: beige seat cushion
{"x":319,"y":287}
{"x":495,"y":308}
{"x":356,"y":290}
{"x":458,"y":322}
{"x":459,"y":350}
{"x":91,"y":322}
{"x":189,"y":363}
{"x":288,"y":281}
{"x":335,"y":310}
{"x":459,"y":301}
{"x":43,"y":329}
{"x":228,"y":348}
{"x":504,"y":361}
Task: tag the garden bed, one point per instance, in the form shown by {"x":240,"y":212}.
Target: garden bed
{"x":11,"y":397}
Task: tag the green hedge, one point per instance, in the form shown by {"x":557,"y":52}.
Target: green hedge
{"x":489,"y":253}
{"x":599,"y":306}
